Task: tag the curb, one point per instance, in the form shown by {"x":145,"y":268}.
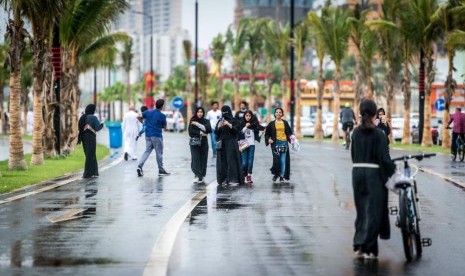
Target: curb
{"x":447,"y":178}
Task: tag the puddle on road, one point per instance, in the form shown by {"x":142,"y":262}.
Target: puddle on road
{"x":38,"y":261}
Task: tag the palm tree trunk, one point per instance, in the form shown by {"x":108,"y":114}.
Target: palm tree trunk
{"x":39,"y":76}
{"x":407,"y":77}
{"x":369,"y":91}
{"x":448,"y":93}
{"x":389,"y":83}
{"x":357,"y":86}
{"x":253,"y":91}
{"x":220,"y":89}
{"x":48,"y":137}
{"x":16,"y":160}
{"x":25,"y":104}
{"x":319,"y":120}
{"x":128,"y":88}
{"x":284,"y":81}
{"x":336,"y":103}
{"x":298,"y":105}
{"x":237,"y":85}
{"x":2,"y":111}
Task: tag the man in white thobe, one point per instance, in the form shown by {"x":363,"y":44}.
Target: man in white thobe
{"x":131,"y":127}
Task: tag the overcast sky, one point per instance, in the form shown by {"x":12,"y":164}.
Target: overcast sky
{"x":214,"y":17}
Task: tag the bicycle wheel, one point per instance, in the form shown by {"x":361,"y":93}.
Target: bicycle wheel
{"x":453,"y":156}
{"x":461,"y":152}
{"x":405,"y":224}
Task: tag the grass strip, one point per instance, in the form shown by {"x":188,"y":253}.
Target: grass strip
{"x":53,"y":167}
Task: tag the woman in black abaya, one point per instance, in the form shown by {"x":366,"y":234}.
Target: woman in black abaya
{"x":199,"y":128}
{"x":88,"y":127}
{"x":228,"y":161}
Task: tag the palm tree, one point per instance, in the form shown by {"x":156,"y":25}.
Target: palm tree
{"x":269,"y":56}
{"x":16,"y":35}
{"x":317,"y":29}
{"x":301,"y":40}
{"x":449,"y":18}
{"x":218,"y":50}
{"x":335,"y":39}
{"x":26,"y":83}
{"x":187,"y":44}
{"x":42,"y":15}
{"x":236,"y":44}
{"x":83,"y":30}
{"x":254,"y":39}
{"x":126,"y":57}
{"x":202,"y":71}
{"x":388,"y":42}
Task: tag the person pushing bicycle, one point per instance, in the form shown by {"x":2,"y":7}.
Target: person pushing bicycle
{"x":458,"y":130}
{"x":347,"y":117}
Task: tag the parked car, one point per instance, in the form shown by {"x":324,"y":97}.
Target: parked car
{"x":170,"y":120}
{"x":397,"y":126}
{"x":327,"y":124}
{"x":306,"y":125}
{"x":436,"y":129}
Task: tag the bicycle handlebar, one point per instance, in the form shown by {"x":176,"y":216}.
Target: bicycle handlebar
{"x":419,"y":157}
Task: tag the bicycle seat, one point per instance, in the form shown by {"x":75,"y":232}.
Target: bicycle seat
{"x":402,"y":185}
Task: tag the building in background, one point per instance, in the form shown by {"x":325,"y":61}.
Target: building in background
{"x":275,"y":9}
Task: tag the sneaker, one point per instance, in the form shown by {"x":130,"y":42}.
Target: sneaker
{"x":275,"y":178}
{"x":126,"y":156}
{"x":162,"y":172}
{"x":359,"y":254}
{"x":201,"y":180}
{"x":196,"y":180}
{"x":281,"y":179}
{"x":140,"y":172}
{"x":369,"y":256}
{"x":249,"y":179}
{"x":286,"y":180}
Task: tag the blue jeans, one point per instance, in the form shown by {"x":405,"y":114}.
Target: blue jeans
{"x":152,"y":143}
{"x":213,"y":140}
{"x":282,"y":156}
{"x":247,"y":159}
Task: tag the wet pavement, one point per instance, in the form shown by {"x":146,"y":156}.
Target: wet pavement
{"x":301,"y":228}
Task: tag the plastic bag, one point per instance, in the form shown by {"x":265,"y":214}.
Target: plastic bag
{"x":397,"y":177}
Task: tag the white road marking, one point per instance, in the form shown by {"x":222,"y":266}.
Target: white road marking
{"x":161,"y":252}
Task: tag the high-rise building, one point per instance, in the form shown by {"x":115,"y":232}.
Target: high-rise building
{"x":275,"y":9}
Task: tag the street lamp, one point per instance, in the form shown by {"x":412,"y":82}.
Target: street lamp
{"x":151,"y":52}
{"x":196,"y":85}
{"x":291,"y":36}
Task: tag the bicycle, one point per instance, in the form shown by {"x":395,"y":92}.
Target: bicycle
{"x":408,"y":212}
{"x":350,"y":128}
{"x":460,"y":148}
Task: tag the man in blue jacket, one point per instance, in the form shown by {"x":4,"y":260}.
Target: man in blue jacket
{"x":155,"y":122}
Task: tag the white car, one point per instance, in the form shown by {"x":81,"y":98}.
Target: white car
{"x":327,"y":124}
{"x":397,"y":126}
{"x":170,"y":121}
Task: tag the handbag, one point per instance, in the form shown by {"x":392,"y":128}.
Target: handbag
{"x":219,"y":145}
{"x":195,"y":141}
{"x":243,"y":144}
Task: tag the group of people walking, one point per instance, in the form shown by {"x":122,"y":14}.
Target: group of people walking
{"x":233,"y":140}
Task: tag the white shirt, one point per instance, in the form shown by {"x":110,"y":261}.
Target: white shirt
{"x":249,"y":136}
{"x":131,"y":124}
{"x":214,"y":117}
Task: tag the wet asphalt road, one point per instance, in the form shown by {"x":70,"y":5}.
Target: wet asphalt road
{"x":301,"y":228}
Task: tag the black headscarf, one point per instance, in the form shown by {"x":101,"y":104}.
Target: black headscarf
{"x":90,"y":110}
{"x":227,"y":113}
{"x":195,"y":118}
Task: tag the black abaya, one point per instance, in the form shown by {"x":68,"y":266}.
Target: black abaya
{"x":199,"y":154}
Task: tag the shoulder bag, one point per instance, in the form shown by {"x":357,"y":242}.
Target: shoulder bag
{"x":195,"y":141}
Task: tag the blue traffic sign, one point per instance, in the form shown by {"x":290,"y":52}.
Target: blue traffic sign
{"x":177,"y":103}
{"x":440,"y":104}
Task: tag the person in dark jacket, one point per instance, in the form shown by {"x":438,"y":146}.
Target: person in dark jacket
{"x":228,"y":161}
{"x":88,"y":127}
{"x":199,"y":128}
{"x":382,"y":123}
{"x":371,"y":168}
{"x":277,"y":135}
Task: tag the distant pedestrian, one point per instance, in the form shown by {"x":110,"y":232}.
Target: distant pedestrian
{"x":458,"y":118}
{"x":228,"y":162}
{"x":382,"y":123}
{"x":248,"y":135}
{"x":199,"y":128}
{"x":177,"y":121}
{"x":155,"y":122}
{"x":88,"y":126}
{"x":243,"y":107}
{"x":142,"y":131}
{"x":278,"y":134}
{"x":371,"y":168}
{"x":213,"y":115}
{"x":131,"y":127}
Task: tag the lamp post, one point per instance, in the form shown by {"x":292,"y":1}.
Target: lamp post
{"x":196,"y":85}
{"x":151,"y":52}
{"x":291,"y":36}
